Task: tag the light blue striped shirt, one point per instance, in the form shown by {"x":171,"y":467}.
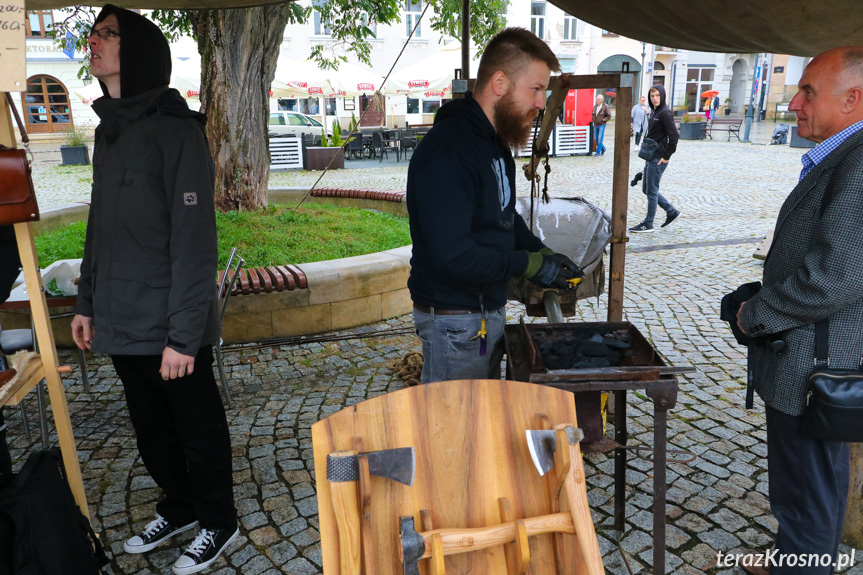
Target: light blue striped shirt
{"x":814,"y":156}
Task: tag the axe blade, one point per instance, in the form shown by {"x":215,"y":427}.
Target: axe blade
{"x":397,"y":464}
{"x":541,"y":444}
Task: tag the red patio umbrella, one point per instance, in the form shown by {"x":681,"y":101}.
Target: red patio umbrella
{"x":710,"y":93}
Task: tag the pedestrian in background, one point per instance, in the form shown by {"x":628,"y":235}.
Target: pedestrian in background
{"x":639,"y":114}
{"x":600,"y":116}
{"x":147,"y":292}
{"x":814,"y":272}
{"x":708,"y":102}
{"x":661,"y":129}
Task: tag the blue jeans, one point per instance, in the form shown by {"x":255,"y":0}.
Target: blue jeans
{"x":448,"y":353}
{"x":598,"y":135}
{"x":653,"y":171}
{"x":808,"y":489}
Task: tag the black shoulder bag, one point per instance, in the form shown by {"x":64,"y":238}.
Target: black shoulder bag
{"x":834,"y":404}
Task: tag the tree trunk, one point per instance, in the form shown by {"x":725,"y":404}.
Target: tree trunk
{"x":852,"y":533}
{"x":239,"y":49}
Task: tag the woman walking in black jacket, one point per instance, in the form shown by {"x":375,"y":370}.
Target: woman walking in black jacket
{"x":660,"y":128}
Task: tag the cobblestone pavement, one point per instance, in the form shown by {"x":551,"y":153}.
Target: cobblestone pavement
{"x":729,"y":194}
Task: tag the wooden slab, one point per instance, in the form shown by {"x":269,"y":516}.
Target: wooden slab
{"x":471,"y":450}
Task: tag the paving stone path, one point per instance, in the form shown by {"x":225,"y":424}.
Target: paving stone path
{"x":730,"y":194}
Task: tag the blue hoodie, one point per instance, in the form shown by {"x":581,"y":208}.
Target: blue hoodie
{"x":468,"y":240}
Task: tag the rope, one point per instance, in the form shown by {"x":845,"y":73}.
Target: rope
{"x":409,"y":368}
{"x":376,"y":95}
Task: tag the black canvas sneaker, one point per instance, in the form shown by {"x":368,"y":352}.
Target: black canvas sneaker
{"x":642,"y":227}
{"x":670,"y":217}
{"x":205,"y":549}
{"x":153,"y":534}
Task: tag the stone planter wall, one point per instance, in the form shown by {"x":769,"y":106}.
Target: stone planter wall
{"x":339,"y":294}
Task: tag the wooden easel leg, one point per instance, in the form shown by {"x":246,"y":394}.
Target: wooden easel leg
{"x":45,"y":340}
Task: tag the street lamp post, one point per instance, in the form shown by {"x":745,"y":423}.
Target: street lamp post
{"x":751,"y":110}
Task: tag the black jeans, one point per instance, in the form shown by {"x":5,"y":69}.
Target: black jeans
{"x":5,"y":457}
{"x":808,"y":490}
{"x":182,"y":438}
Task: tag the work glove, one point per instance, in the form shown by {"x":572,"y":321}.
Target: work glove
{"x":552,"y":270}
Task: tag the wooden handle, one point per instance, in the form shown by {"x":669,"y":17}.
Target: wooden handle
{"x":346,"y":507}
{"x":575,"y":491}
{"x":456,"y":541}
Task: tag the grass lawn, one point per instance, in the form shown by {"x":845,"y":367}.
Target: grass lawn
{"x":275,"y":236}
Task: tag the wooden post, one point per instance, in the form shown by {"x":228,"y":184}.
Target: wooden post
{"x":852,"y":533}
{"x":619,"y":198}
{"x":45,"y":337}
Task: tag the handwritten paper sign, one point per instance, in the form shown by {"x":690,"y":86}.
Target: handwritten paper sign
{"x":13,"y":71}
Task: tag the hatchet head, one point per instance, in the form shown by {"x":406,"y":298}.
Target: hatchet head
{"x":396,"y":464}
{"x":541,"y":443}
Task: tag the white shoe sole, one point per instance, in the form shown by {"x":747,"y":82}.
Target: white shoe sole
{"x":136,"y":549}
{"x":642,"y":231}
{"x":202,"y":566}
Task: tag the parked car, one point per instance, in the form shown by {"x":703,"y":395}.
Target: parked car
{"x":284,"y":123}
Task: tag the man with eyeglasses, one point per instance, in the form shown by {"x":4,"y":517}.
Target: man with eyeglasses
{"x":147,"y":290}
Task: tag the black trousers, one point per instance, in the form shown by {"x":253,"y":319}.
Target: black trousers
{"x":182,"y":438}
{"x":637,"y":138}
{"x":5,"y":457}
{"x":808,"y":491}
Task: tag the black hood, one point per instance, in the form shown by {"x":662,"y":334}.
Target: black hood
{"x":145,"y":57}
{"x":661,"y":90}
{"x":467,"y":109}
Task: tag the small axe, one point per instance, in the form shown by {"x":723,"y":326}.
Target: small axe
{"x":558,"y":449}
{"x":343,"y":474}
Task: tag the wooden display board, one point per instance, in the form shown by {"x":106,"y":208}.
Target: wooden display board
{"x":471,"y":450}
{"x":47,"y":367}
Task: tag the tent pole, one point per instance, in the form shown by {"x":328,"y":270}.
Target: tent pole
{"x":465,"y":39}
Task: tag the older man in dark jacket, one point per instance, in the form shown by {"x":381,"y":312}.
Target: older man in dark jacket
{"x":813,"y":272}
{"x":147,"y":292}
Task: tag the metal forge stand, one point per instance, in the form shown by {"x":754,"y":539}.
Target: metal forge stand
{"x":644,"y":370}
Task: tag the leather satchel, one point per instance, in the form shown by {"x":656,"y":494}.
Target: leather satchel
{"x":17,"y":196}
{"x":834,"y":405}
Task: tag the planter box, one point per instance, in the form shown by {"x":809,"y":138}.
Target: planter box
{"x":318,"y":158}
{"x":75,"y":155}
{"x":692,"y":130}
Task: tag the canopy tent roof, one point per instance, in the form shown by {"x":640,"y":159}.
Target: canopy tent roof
{"x":798,"y":27}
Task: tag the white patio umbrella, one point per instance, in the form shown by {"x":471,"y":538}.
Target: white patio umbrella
{"x":300,"y":79}
{"x":432,"y":74}
{"x":352,"y":80}
{"x":90,"y":92}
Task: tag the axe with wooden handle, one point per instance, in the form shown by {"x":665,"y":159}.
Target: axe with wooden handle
{"x":560,"y":449}
{"x":343,"y":474}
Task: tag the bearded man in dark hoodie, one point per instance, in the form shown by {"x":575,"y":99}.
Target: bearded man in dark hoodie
{"x":147,"y":290}
{"x":468,"y":240}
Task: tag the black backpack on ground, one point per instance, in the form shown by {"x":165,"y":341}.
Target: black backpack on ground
{"x":42,"y":529}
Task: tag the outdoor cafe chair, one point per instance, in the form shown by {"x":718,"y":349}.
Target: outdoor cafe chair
{"x":226,"y":286}
{"x":407,"y":141}
{"x":355,"y":146}
{"x":380,"y":144}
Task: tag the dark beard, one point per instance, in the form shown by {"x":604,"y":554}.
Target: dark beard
{"x":512,"y":125}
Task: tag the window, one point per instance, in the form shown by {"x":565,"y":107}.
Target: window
{"x":413,"y":11}
{"x":330,"y":104}
{"x":295,"y":120}
{"x":413,"y":105}
{"x":609,"y":34}
{"x":277,"y":120}
{"x":570,"y":27}
{"x":46,"y":105}
{"x":430,"y":106}
{"x":39,"y":23}
{"x":370,"y":24}
{"x":321,"y":29}
{"x":537,"y":19}
{"x":698,"y":81}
